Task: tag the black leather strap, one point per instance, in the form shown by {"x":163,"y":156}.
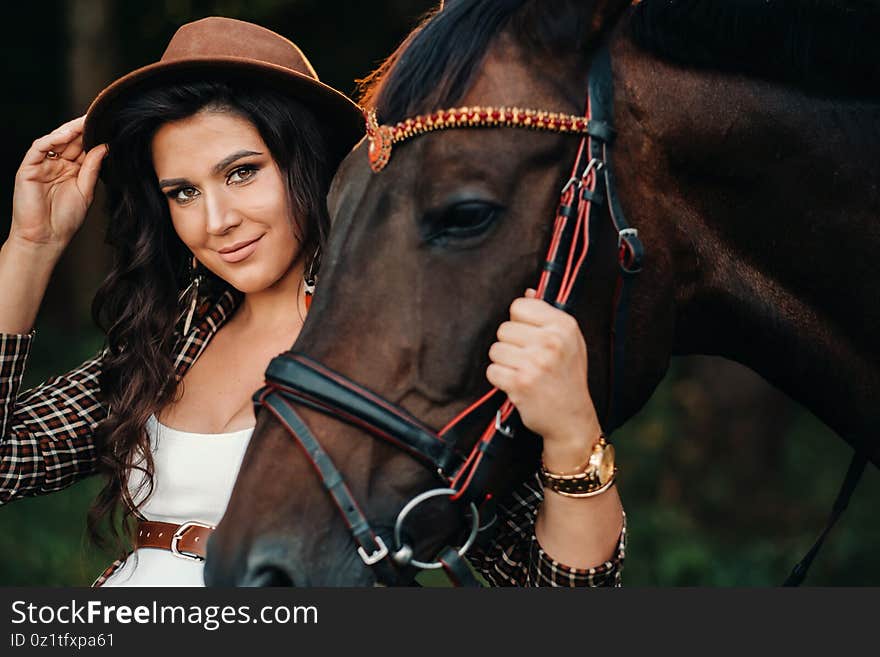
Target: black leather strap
{"x":853,"y":474}
{"x":457,"y":569}
{"x":568,"y":211}
{"x":597,"y":196}
{"x":312,"y":384}
{"x":600,"y":128}
{"x":631,"y":253}
{"x":357,"y":522}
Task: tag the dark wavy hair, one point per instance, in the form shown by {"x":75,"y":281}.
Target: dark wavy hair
{"x":137,"y":305}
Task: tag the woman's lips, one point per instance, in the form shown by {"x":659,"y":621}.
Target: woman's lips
{"x":240,"y":253}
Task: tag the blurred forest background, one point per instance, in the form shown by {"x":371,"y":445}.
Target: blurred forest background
{"x":726,"y":482}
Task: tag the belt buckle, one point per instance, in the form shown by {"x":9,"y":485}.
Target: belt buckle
{"x":178,"y":535}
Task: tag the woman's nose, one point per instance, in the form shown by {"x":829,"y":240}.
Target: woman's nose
{"x":221,"y":216}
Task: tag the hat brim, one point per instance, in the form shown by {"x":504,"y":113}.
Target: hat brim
{"x":341,"y":119}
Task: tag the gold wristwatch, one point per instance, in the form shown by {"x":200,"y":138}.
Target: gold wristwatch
{"x":595,"y":477}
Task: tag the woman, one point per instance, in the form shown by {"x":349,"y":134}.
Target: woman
{"x":216,"y":166}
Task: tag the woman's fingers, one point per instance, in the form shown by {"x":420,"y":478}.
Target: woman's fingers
{"x":507,"y":354}
{"x":76,"y":124}
{"x":39,"y":150}
{"x":532,"y":311}
{"x":88,"y":172}
{"x":519,"y":334}
{"x":57,"y":141}
{"x":500,"y":376}
{"x":73,"y":149}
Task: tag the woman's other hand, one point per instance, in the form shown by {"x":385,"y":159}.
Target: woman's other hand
{"x":53,"y":194}
{"x":540,"y":362}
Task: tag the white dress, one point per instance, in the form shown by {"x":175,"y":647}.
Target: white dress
{"x":193,"y":479}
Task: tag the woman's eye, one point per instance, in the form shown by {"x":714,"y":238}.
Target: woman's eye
{"x":463,"y":220}
{"x":183,"y":194}
{"x":241,"y":174}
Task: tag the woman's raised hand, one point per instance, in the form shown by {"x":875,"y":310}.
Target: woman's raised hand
{"x":540,"y":361}
{"x":54,"y":187}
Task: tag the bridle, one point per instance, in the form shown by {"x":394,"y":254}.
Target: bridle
{"x":467,"y":476}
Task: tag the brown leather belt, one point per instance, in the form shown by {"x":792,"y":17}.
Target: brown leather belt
{"x":187,"y":540}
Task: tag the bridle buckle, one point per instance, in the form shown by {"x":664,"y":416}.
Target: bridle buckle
{"x":623,"y":234}
{"x":377,"y":555}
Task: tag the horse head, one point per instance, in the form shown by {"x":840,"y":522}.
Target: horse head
{"x":715,"y":170}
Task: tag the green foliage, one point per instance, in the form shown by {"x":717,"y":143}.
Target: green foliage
{"x":710,"y":525}
{"x":43,"y":541}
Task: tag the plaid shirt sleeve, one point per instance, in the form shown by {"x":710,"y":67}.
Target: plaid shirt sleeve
{"x":46,"y":436}
{"x":47,"y":433}
{"x":515,"y":558}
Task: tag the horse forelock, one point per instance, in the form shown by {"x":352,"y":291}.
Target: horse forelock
{"x":437,"y":61}
{"x":821,"y":46}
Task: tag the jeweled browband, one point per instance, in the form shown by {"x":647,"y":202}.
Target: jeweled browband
{"x":383,"y":137}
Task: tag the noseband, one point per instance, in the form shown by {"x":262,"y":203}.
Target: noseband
{"x":466,"y":475}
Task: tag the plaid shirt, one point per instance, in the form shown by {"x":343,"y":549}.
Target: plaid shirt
{"x":46,"y":445}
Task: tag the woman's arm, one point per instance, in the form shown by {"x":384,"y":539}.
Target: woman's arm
{"x":48,"y":439}
{"x":54,"y":187}
{"x":512,"y":555}
{"x":46,"y":433}
{"x":540,"y":361}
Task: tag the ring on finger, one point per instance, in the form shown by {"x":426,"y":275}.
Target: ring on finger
{"x":53,"y":155}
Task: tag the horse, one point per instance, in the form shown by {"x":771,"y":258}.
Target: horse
{"x":745,"y":157}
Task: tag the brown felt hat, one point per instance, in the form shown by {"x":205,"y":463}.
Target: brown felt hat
{"x":235,"y":48}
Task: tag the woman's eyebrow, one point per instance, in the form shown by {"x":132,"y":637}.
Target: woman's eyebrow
{"x":222,"y":164}
{"x":229,"y":159}
{"x":172,"y":182}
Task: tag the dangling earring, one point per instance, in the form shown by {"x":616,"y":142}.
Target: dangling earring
{"x":310,"y":278}
{"x":195,"y":279}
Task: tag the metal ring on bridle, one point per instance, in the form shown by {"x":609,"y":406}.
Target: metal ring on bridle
{"x":412,"y":504}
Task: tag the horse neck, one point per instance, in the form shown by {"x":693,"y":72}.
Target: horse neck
{"x":767,"y":207}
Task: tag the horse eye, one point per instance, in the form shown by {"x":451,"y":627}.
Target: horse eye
{"x":463,"y":220}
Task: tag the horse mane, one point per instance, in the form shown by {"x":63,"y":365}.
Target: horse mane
{"x":436,"y":63}
{"x":826,"y":47}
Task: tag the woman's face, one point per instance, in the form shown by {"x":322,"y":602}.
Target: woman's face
{"x":227,"y":197}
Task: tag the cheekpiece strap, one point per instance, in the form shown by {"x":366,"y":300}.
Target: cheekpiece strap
{"x":371,"y":547}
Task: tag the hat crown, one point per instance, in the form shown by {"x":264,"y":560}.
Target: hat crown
{"x":214,"y":37}
{"x":231,"y":48}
